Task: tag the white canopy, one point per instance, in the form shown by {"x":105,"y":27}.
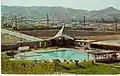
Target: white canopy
{"x":61,"y":34}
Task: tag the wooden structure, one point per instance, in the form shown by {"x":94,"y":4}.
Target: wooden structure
{"x":61,"y":39}
{"x":104,"y":56}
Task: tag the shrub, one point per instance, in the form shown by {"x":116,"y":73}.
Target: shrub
{"x":11,"y":53}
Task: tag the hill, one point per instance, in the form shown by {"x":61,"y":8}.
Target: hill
{"x":59,"y":13}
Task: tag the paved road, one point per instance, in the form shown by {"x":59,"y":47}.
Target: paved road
{"x":20,"y":35}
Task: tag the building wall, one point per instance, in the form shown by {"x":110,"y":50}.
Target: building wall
{"x":36,"y":44}
{"x":107,"y":47}
{"x":62,"y":43}
{"x":9,"y":47}
{"x":30,"y":44}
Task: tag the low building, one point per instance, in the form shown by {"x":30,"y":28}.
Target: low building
{"x":104,"y":56}
{"x":108,"y":45}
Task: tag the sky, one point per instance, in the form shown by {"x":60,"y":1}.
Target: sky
{"x":75,"y":4}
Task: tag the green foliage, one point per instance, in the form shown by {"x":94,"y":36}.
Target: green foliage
{"x":25,"y":25}
{"x":27,"y":67}
{"x":5,"y":57}
{"x":31,"y":67}
{"x":90,"y":68}
{"x":11,"y":53}
{"x":5,"y":25}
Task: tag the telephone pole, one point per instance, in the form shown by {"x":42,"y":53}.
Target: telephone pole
{"x":14,"y":26}
{"x":3,"y":19}
{"x":47,"y":19}
{"x":15,"y":21}
{"x":21,"y":19}
{"x":115,"y":19}
{"x":84,"y":21}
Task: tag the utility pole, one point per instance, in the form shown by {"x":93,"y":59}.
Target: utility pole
{"x":75,"y":22}
{"x":21,"y":19}
{"x":15,"y":21}
{"x":3,"y":19}
{"x":14,"y":26}
{"x":72,"y":21}
{"x":84,"y":21}
{"x":102,"y":20}
{"x":47,"y":19}
{"x":115,"y":19}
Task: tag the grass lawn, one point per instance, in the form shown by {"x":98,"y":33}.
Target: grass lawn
{"x":30,"y":67}
{"x":90,"y":68}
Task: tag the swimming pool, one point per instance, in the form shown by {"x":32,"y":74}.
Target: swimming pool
{"x":58,"y":54}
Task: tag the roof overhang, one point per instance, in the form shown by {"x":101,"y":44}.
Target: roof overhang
{"x":61,"y":34}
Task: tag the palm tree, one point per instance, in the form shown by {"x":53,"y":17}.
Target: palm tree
{"x":78,"y":65}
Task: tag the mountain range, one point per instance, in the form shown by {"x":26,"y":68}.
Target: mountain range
{"x":59,"y":13}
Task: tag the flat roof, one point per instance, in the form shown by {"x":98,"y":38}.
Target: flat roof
{"x":108,"y":42}
{"x":85,"y":40}
{"x":20,"y":35}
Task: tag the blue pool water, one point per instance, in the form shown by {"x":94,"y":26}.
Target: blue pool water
{"x":59,"y":54}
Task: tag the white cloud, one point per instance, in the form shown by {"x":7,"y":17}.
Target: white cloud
{"x":79,"y":4}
